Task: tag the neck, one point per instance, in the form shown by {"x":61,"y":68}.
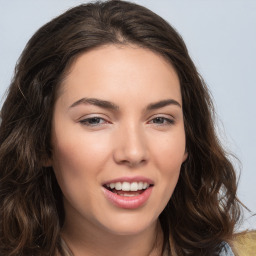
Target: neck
{"x":91,"y":241}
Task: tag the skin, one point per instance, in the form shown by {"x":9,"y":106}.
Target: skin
{"x":129,"y":141}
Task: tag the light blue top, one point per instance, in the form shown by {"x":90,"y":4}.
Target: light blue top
{"x":226,"y":251}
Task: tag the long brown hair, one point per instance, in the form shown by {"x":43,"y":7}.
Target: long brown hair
{"x":203,"y":209}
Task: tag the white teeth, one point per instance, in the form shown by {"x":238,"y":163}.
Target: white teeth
{"x":140,"y":186}
{"x":127,"y":186}
{"x":129,"y":195}
{"x":134,"y":186}
{"x":145,"y":185}
{"x":118,"y":186}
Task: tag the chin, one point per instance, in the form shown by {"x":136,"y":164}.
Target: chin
{"x":127,"y":224}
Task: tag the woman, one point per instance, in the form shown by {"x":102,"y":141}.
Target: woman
{"x":108,"y":144}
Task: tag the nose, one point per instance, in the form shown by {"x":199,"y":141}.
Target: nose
{"x":131,"y":146}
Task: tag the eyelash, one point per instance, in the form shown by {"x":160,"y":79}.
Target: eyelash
{"x":167,"y":121}
{"x":86,"y":122}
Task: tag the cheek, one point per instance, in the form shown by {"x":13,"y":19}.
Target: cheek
{"x":170,"y":152}
{"x":169,"y":156}
{"x":78,"y":159}
{"x":77,"y":163}
{"x":80,"y":152}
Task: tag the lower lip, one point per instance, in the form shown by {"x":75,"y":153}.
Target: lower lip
{"x":128,"y":202}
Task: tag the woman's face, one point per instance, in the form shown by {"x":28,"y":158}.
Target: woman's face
{"x":118,"y":139}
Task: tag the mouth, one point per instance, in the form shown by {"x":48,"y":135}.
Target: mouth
{"x":127,"y":189}
{"x":128,"y":192}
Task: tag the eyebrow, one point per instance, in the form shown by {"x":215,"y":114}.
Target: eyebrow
{"x":162,"y":103}
{"x":109,"y":105}
{"x":96,"y":102}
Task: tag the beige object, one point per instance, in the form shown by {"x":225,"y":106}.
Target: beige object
{"x":244,"y":244}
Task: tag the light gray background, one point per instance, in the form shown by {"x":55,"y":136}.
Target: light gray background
{"x":221,"y":38}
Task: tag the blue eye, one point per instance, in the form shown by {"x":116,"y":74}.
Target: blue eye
{"x":93,"y":121}
{"x":162,"y":121}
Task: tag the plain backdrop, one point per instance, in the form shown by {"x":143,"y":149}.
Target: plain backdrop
{"x":221,"y":38}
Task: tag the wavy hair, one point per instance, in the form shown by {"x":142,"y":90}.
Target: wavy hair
{"x":203,"y":209}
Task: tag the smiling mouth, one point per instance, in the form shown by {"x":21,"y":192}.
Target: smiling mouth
{"x":127,"y":189}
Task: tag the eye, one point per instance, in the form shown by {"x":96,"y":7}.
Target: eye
{"x":93,"y":121}
{"x":161,"y":121}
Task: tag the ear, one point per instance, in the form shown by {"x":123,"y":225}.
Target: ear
{"x":46,"y":161}
{"x":185,"y":156}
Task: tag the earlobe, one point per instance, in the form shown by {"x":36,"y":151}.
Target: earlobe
{"x":185,"y":156}
{"x":47,"y":162}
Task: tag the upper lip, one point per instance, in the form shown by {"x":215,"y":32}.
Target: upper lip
{"x":130,"y":180}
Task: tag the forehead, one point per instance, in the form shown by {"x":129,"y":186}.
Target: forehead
{"x":119,"y":71}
